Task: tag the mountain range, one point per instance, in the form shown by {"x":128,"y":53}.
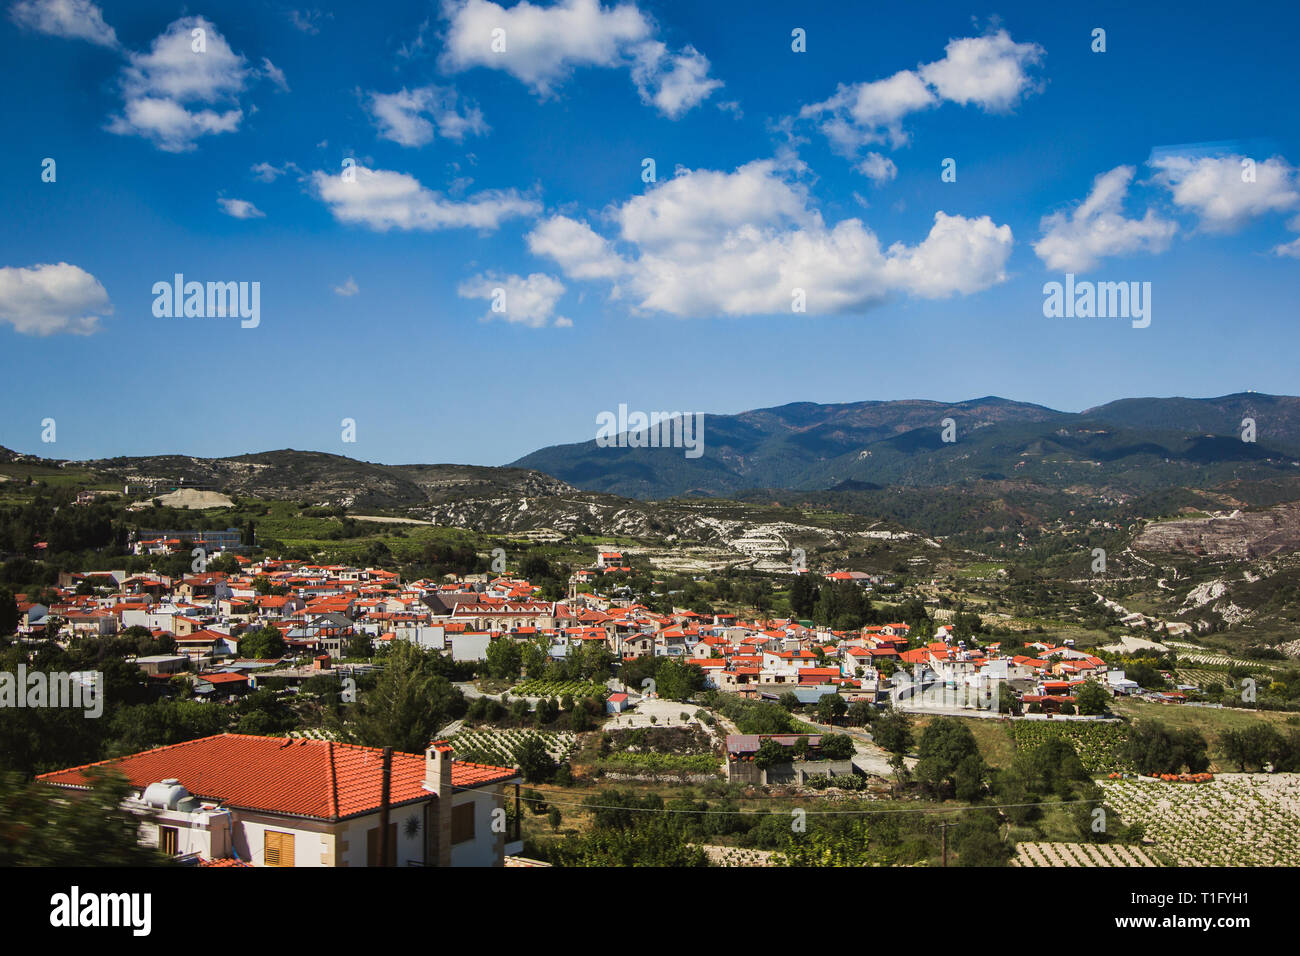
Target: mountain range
{"x":1133,"y":445}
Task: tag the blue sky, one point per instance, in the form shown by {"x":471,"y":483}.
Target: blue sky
{"x":479,"y":169}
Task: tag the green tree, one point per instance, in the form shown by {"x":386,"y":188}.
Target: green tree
{"x":410,"y":701}
{"x":536,"y":764}
{"x":1154,"y":748}
{"x":263,"y":643}
{"x":41,"y":825}
{"x":1092,"y":698}
{"x":830,"y":708}
{"x":851,"y":845}
{"x":944,"y":745}
{"x":893,"y":731}
{"x":504,"y":658}
{"x":8,"y":612}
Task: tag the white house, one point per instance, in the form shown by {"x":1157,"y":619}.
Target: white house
{"x":272,"y":801}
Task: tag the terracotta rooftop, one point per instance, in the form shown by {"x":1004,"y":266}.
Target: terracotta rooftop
{"x":292,"y":776}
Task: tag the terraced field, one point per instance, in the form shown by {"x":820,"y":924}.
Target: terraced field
{"x":500,"y":746}
{"x":1080,"y":854}
{"x":1235,"y":820}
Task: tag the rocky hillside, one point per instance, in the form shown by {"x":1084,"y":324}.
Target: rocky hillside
{"x":1243,"y":535}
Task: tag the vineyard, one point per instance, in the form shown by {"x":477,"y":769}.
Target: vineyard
{"x":1237,"y":820}
{"x":1100,"y":745}
{"x":1080,"y":854}
{"x":659,"y":751}
{"x":558,"y":688}
{"x":498,"y":747}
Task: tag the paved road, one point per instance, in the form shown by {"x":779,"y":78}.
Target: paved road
{"x":868,"y":755}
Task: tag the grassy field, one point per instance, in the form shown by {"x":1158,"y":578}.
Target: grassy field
{"x":995,"y":743}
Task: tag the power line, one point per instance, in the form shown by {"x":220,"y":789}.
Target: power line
{"x":758,"y":812}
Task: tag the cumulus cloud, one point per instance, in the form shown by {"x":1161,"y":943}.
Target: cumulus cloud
{"x":240,"y":209}
{"x":382,"y":200}
{"x":544,"y":45}
{"x":1219,"y":190}
{"x":409,"y":117}
{"x":1075,"y":240}
{"x":51,"y":298}
{"x":70,"y":19}
{"x":169,"y":92}
{"x":991,"y":72}
{"x":577,"y":248}
{"x":347,"y":289}
{"x":877,"y":168}
{"x":740,"y":243}
{"x":523,"y":300}
{"x":674,"y":83}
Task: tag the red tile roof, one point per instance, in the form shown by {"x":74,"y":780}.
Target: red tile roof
{"x":295,"y":777}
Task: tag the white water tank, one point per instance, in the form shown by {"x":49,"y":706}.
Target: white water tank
{"x":166,"y":794}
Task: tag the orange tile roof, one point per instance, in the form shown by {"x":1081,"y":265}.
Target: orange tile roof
{"x":295,"y":777}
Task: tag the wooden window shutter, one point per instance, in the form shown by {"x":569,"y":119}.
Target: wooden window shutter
{"x":462,"y":823}
{"x":278,"y":848}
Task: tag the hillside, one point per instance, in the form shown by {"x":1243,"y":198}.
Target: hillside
{"x":326,"y":479}
{"x":1131,"y":446}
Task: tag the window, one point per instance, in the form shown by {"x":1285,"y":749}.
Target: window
{"x":462,"y":823}
{"x":167,"y":840}
{"x":277,"y":848}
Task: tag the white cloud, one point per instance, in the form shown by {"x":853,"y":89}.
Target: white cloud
{"x":267,"y":173}
{"x":349,"y":288}
{"x":240,"y":209}
{"x":544,"y":45}
{"x":308,"y":21}
{"x":274,"y":74}
{"x":741,"y":243}
{"x":877,"y":168}
{"x":70,"y":19}
{"x":866,"y":113}
{"x":46,"y":299}
{"x":160,"y":86}
{"x":409,"y":117}
{"x":1096,"y":228}
{"x":673,"y":83}
{"x":577,"y":248}
{"x":991,"y":72}
{"x":1214,"y":187}
{"x":1289,"y":249}
{"x":530,"y":301}
{"x":383,"y":200}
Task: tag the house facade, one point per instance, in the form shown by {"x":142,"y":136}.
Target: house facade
{"x":272,"y":801}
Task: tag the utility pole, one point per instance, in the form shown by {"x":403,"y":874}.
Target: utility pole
{"x":383,"y":808}
{"x":943,"y":829}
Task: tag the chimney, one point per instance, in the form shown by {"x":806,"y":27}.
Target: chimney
{"x":437,"y":779}
{"x":437,"y":768}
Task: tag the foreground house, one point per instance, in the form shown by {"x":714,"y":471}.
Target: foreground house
{"x":276,"y":801}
